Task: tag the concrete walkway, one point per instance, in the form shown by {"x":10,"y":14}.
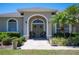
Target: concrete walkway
{"x":44,"y":45}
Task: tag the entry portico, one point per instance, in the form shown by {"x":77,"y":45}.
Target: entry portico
{"x":41,"y":14}
{"x":45,"y":23}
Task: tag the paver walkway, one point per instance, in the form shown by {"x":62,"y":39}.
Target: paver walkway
{"x":44,"y":45}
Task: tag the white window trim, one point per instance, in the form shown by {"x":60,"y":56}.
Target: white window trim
{"x":16,"y":24}
{"x":70,"y":28}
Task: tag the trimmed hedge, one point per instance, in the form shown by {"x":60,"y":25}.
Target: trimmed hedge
{"x":11,"y":34}
{"x":66,"y":34}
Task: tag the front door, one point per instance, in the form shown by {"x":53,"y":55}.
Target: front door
{"x":38,"y":29}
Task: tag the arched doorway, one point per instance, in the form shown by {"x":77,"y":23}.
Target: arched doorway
{"x":37,"y":27}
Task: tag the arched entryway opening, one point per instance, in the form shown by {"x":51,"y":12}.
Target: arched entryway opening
{"x":37,"y":27}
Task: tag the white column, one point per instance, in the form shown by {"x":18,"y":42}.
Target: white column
{"x":24,"y":26}
{"x":27,"y":28}
{"x":55,"y":28}
{"x":70,"y":28}
{"x":47,"y":30}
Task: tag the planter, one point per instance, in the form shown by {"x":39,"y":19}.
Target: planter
{"x":14,"y":43}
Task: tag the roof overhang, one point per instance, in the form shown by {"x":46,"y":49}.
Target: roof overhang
{"x":36,"y":10}
{"x":11,"y":15}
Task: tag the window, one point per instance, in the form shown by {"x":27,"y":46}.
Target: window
{"x":37,"y":21}
{"x":12,"y":25}
{"x":66,"y":28}
{"x":58,"y":28}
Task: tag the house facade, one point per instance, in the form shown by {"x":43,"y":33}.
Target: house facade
{"x":32,"y":23}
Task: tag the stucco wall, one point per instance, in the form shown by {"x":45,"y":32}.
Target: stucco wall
{"x":3,"y":24}
{"x":75,"y":28}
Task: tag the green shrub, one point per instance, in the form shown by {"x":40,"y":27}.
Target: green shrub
{"x":7,"y":37}
{"x":66,"y":34}
{"x":62,"y":35}
{"x":23,"y":39}
{"x":17,"y":42}
{"x":20,"y":43}
{"x":74,"y":34}
{"x":7,"y":41}
{"x":59,"y":41}
{"x":58,"y":35}
{"x":3,"y":35}
{"x":11,"y":34}
{"x":0,"y":38}
{"x":74,"y":41}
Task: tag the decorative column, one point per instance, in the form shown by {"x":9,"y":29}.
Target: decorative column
{"x":27,"y":28}
{"x":55,"y":26}
{"x":70,"y":28}
{"x":47,"y":30}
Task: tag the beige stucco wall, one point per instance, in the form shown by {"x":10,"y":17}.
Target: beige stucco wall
{"x":3,"y":24}
{"x":75,"y":28}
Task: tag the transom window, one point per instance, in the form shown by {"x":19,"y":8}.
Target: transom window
{"x":12,"y":25}
{"x":37,"y":21}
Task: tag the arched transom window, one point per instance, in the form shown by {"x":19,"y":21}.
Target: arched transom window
{"x":12,"y":25}
{"x":37,"y":21}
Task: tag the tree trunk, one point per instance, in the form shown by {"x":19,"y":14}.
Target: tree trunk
{"x":62,"y":29}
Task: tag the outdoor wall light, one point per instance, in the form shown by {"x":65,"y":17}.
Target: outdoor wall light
{"x":25,"y":21}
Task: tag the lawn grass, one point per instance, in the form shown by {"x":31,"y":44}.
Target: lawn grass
{"x":39,"y":52}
